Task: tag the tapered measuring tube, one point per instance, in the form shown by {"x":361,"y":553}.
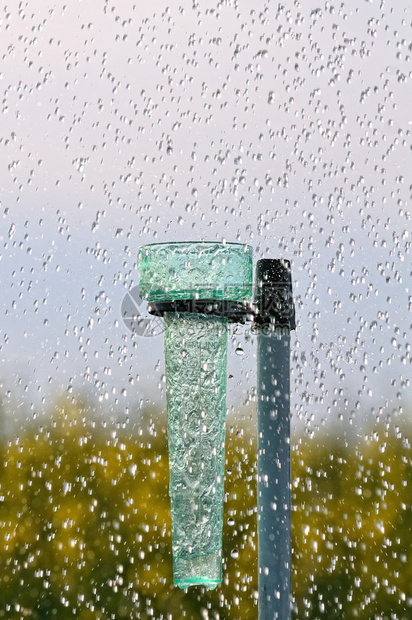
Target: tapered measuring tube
{"x":196,"y":287}
{"x":275,"y":319}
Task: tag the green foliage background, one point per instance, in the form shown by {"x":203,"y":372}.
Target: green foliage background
{"x":85,"y":526}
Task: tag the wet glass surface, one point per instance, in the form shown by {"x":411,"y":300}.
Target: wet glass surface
{"x":282,"y":127}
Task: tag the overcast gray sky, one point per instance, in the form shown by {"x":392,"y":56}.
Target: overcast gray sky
{"x":284,"y":127}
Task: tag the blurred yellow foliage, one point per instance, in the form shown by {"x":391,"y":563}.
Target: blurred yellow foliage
{"x":85,"y":527}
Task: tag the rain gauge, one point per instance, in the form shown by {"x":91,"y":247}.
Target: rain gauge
{"x":199,"y":288}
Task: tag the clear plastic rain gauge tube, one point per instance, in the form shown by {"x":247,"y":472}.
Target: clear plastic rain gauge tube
{"x":197,"y":287}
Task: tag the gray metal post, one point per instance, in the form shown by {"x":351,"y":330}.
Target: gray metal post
{"x":275,"y":320}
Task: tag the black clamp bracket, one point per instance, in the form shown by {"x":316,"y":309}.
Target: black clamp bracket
{"x":273,"y":303}
{"x":234,"y":311}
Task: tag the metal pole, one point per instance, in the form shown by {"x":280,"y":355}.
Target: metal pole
{"x":275,"y":320}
